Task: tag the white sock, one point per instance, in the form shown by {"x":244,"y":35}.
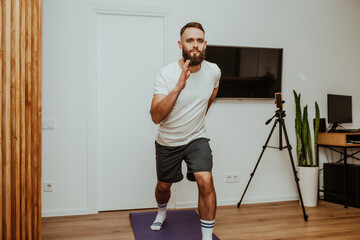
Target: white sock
{"x":207,"y":229}
{"x":160,"y":217}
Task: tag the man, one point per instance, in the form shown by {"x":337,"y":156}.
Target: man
{"x":183,"y":93}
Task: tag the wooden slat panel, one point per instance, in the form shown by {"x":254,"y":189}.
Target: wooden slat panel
{"x":20,"y":119}
{"x":34,"y":116}
{"x":7,"y":122}
{"x":15,"y":108}
{"x":1,"y":120}
{"x":28,"y":196}
{"x":12,"y":116}
{"x":39,"y":122}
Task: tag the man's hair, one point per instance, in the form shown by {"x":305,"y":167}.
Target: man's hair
{"x":192,"y":25}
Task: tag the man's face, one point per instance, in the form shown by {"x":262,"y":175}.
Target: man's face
{"x":193,"y":46}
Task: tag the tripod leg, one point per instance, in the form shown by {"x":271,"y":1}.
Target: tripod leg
{"x":258,"y":161}
{"x":282,"y":124}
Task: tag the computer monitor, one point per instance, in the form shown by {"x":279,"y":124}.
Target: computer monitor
{"x":339,"y":110}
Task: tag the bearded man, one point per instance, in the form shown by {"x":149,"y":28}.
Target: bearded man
{"x":183,"y":92}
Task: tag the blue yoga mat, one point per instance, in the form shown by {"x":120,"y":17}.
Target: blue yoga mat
{"x":179,"y":225}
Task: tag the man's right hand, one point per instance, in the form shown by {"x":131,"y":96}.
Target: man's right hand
{"x":162,"y":105}
{"x":185,"y":74}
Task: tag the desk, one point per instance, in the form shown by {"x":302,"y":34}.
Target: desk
{"x":342,"y":140}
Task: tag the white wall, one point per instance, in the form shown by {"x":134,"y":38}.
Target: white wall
{"x":321,"y":41}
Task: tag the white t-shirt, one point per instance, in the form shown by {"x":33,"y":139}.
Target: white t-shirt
{"x":186,"y":121}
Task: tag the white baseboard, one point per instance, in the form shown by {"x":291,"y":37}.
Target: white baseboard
{"x":230,"y":202}
{"x":178,"y":205}
{"x":66,"y":212}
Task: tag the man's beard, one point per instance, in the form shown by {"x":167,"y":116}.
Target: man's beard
{"x":195,"y":59}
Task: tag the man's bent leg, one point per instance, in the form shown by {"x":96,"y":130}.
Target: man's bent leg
{"x":207,"y":203}
{"x":162,"y":195}
{"x":162,"y":192}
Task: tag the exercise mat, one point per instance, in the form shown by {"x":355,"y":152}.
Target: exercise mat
{"x":179,"y":225}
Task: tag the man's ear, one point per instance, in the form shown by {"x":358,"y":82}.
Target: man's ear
{"x":205,"y":44}
{"x":180,"y":44}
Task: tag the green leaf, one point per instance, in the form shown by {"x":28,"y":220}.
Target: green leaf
{"x":316,"y":133}
{"x":309,"y":144}
{"x":298,"y":128}
{"x":304,"y":137}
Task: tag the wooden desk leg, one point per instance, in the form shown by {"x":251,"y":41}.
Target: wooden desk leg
{"x":345,"y":177}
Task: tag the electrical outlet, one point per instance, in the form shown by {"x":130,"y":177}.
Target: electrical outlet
{"x":48,"y":186}
{"x":232,"y":178}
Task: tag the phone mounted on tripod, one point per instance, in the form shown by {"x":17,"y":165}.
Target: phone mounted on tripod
{"x":279,"y":113}
{"x":279,"y":100}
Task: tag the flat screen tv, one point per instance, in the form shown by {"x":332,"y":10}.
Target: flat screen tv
{"x":247,"y":72}
{"x":339,"y":110}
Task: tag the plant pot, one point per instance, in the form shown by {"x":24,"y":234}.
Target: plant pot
{"x":309,"y":182}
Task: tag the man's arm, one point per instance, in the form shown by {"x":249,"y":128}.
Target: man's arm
{"x":162,"y":104}
{"x":213,"y":95}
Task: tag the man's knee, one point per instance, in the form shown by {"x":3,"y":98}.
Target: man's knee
{"x":205,"y":182}
{"x":163,"y":187}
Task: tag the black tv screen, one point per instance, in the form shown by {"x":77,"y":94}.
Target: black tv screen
{"x":247,"y":72}
{"x":339,"y":108}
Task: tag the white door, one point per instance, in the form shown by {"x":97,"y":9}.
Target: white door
{"x":130,"y":51}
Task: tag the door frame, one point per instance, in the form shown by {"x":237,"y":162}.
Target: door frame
{"x":94,"y":9}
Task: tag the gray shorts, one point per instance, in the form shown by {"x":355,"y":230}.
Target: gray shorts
{"x":197,"y":155}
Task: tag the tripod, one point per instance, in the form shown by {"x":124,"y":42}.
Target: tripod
{"x":279,"y":114}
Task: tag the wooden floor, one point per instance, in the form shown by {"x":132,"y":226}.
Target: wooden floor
{"x":280,"y":220}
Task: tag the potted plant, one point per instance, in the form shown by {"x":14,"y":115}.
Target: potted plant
{"x":308,"y":164}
